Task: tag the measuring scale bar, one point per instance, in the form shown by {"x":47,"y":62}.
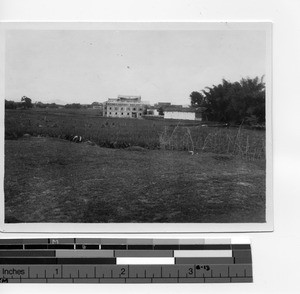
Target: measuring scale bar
{"x":124,"y":261}
{"x":195,"y":273}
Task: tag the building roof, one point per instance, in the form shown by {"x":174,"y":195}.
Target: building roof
{"x":124,"y":100}
{"x":178,"y":109}
{"x":129,"y":98}
{"x":159,"y":104}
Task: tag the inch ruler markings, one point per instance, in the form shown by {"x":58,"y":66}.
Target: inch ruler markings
{"x":88,"y":260}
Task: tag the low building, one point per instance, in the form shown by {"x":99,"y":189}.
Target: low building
{"x":152,"y":111}
{"x":162,"y":104}
{"x":125,"y":106}
{"x":179,"y":113}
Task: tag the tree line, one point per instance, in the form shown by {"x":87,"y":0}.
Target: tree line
{"x":238,"y":102}
{"x":26,"y":103}
{"x":241,"y":102}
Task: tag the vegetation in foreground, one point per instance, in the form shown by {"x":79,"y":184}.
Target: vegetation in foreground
{"x":53,"y":180}
{"x":146,"y":174}
{"x":121,"y":133}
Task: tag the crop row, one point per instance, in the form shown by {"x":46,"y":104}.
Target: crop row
{"x":150,"y":134}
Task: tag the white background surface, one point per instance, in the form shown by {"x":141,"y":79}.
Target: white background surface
{"x":276,"y":257}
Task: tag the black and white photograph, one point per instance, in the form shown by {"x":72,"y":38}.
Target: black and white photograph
{"x":137,"y":123}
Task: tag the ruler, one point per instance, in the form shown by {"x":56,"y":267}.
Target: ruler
{"x":92,"y":260}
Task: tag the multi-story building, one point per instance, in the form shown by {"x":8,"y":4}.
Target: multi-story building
{"x":125,"y":106}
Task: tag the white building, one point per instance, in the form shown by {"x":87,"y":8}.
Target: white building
{"x":179,"y":113}
{"x":124,"y":106}
{"x":152,"y":111}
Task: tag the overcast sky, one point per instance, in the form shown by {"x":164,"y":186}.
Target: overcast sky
{"x":166,"y":66}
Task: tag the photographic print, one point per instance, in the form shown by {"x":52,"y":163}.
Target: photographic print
{"x":137,"y":123}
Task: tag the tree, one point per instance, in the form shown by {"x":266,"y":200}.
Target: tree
{"x":160,"y":110}
{"x":10,"y":104}
{"x":197,"y":99}
{"x":26,"y":102}
{"x":238,"y":102}
{"x":74,"y":106}
{"x":40,"y":105}
{"x":52,"y":105}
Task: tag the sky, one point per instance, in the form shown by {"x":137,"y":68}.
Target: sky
{"x":81,"y":66}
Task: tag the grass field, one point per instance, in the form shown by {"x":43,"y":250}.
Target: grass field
{"x":121,"y":133}
{"x":49,"y":179}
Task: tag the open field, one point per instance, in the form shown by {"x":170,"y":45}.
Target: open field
{"x":148,"y":173}
{"x":54,"y":180}
{"x":121,"y":133}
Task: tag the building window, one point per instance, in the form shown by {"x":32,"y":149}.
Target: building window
{"x":127,"y":113}
{"x":141,"y":109}
{"x":110,"y":108}
{"x":128,"y":108}
{"x":140,"y":114}
{"x":110,"y":113}
{"x":105,"y":113}
{"x":121,"y":108}
{"x":122,"y":113}
{"x":116,"y":113}
{"x":116,"y":108}
{"x":133,"y":108}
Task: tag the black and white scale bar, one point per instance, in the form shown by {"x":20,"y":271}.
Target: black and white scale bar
{"x":97,"y":260}
{"x":125,"y":260}
{"x":127,"y":280}
{"x":120,"y":246}
{"x":123,"y":246}
{"x":46,"y":260}
{"x":128,"y":244}
{"x":115,"y":271}
{"x":123,"y":257}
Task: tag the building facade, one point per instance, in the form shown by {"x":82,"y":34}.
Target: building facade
{"x":152,"y":111}
{"x":125,"y":106}
{"x":179,"y":113}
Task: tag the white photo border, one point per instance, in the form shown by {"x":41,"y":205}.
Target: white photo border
{"x":145,"y":228}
